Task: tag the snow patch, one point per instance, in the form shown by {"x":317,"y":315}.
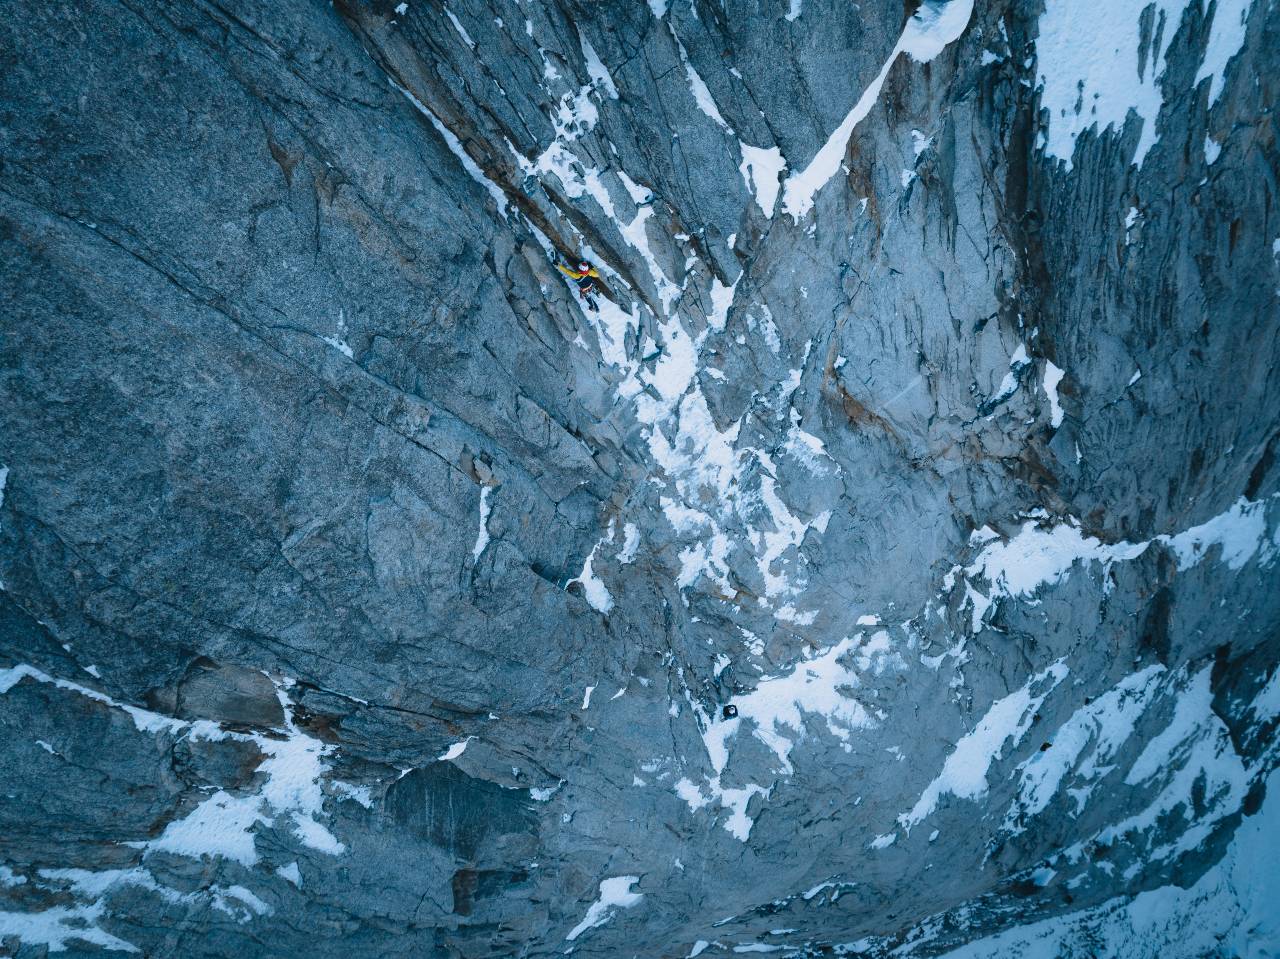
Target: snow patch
{"x":1095,"y":732}
{"x":596,"y":70}
{"x":701,"y":95}
{"x":933,"y":27}
{"x":54,"y":928}
{"x":454,"y":751}
{"x":615,"y":894}
{"x":1009,"y":385}
{"x":339,"y":345}
{"x":482,"y":538}
{"x":221,"y":825}
{"x":457,"y":25}
{"x":761,"y":171}
{"x":1230,"y":910}
{"x":1266,"y":704}
{"x":1240,"y":532}
{"x":1226,"y":37}
{"x":1095,"y":77}
{"x":1040,"y":554}
{"x":775,"y":712}
{"x":455,"y":147}
{"x":630,"y":543}
{"x":1212,"y":150}
{"x":593,"y":588}
{"x":925,"y":35}
{"x":1052,"y":377}
{"x":964,"y":774}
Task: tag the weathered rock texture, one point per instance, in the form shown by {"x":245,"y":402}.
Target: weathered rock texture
{"x":364,"y":596}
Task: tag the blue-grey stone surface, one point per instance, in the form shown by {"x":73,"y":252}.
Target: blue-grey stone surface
{"x":365,"y":595}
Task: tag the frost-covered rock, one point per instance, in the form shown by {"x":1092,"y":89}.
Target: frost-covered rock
{"x":890,"y":565}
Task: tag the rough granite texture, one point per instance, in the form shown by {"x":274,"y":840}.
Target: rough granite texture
{"x":272,"y":356}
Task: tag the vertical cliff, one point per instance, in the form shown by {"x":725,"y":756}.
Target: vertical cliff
{"x":367,"y":594}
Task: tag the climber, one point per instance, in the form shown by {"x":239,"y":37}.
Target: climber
{"x":585,"y":276}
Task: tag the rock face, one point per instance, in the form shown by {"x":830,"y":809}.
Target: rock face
{"x":364,"y":595}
